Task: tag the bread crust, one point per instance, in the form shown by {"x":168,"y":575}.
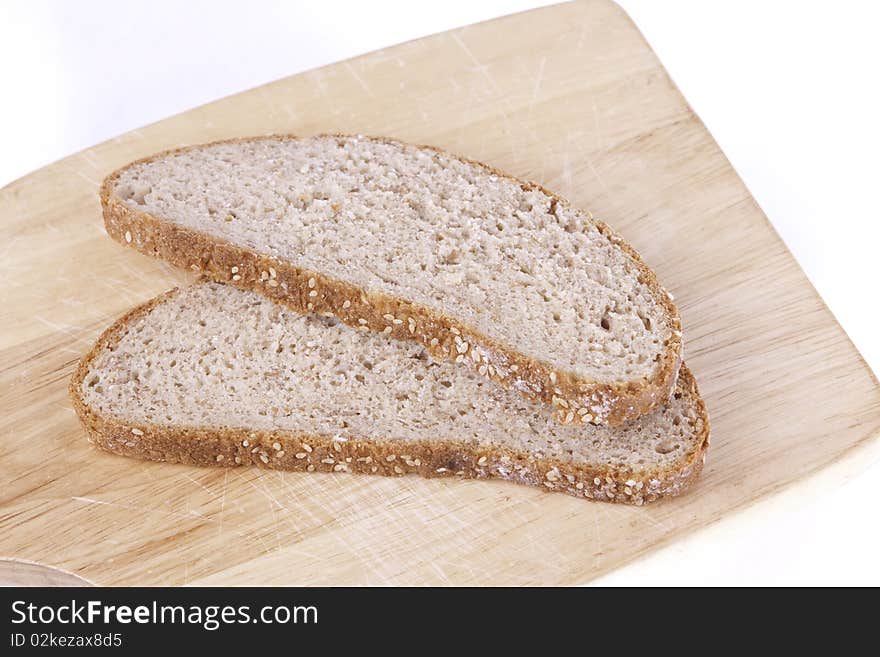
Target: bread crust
{"x":575,"y":398}
{"x":303,"y":452}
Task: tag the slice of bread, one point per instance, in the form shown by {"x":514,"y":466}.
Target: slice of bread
{"x":477,"y":266}
{"x":212,"y":375}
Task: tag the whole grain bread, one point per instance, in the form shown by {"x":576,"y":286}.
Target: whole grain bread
{"x":478,"y":267}
{"x":212,"y":375}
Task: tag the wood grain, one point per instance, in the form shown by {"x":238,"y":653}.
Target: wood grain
{"x":570,"y":96}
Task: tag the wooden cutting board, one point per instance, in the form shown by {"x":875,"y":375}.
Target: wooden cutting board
{"x":570,"y":96}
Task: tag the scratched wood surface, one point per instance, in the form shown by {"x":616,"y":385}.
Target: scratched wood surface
{"x":570,"y":96}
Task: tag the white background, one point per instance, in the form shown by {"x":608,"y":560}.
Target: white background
{"x":788,"y":89}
